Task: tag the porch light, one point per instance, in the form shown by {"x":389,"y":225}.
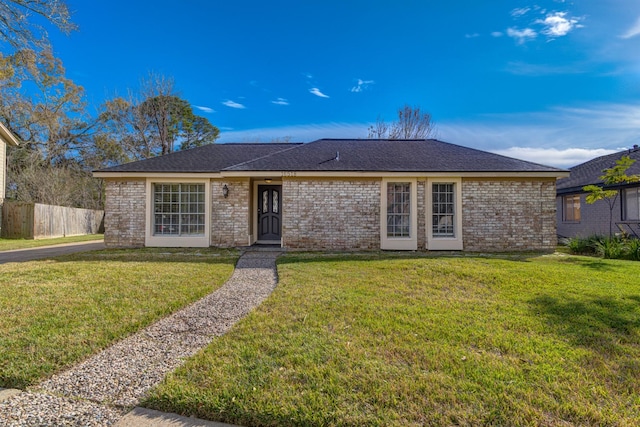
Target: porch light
{"x":225,"y":191}
{"x":268,"y":180}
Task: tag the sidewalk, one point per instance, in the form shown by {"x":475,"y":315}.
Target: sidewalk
{"x":94,"y":392}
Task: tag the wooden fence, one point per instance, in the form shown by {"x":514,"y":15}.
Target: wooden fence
{"x":36,"y":221}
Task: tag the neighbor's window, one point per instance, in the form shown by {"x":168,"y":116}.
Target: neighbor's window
{"x":178,"y":209}
{"x":632,"y":204}
{"x":398,"y":209}
{"x":571,"y":208}
{"x":443,"y":210}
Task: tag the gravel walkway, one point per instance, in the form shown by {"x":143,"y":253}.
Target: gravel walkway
{"x":95,"y":390}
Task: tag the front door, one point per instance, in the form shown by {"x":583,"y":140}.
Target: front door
{"x":269,"y":212}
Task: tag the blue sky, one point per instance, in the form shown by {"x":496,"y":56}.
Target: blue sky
{"x":556,"y":82}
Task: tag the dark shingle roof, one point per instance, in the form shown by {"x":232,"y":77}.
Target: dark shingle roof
{"x":375,"y":155}
{"x":590,"y":172}
{"x":208,"y":158}
{"x":335,"y":155}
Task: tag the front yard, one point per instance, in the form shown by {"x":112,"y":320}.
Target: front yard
{"x":369,"y":339}
{"x":54,"y":313}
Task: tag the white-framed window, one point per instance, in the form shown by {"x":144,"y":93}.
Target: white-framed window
{"x":571,"y":208}
{"x":444,"y":214}
{"x":631,"y":204}
{"x":178,"y":209}
{"x":398,"y":216}
{"x":178,"y":213}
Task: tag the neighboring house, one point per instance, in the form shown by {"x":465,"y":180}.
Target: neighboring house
{"x":333,"y":194}
{"x":6,"y":138}
{"x":577,"y":218}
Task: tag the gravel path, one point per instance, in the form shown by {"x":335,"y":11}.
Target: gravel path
{"x":121,"y":375}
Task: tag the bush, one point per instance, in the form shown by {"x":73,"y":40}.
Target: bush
{"x":585,"y":245}
{"x":610,"y":248}
{"x":633,"y":249}
{"x":606,"y":247}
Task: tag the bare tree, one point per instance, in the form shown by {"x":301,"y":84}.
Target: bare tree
{"x":412,"y":123}
{"x":18,"y":29}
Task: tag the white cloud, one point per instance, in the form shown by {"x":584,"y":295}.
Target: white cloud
{"x":497,"y":34}
{"x":521,"y":36}
{"x":280,"y":101}
{"x":361,"y":85}
{"x":518,"y":12}
{"x":233,"y":104}
{"x":633,"y":31}
{"x":205,"y":109}
{"x":316,"y":92}
{"x":557,"y":24}
{"x":554,"y":157}
{"x":471,"y":36}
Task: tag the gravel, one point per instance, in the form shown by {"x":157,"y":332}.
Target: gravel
{"x":122,"y":374}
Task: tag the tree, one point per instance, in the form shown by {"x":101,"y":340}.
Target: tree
{"x":412,"y":123}
{"x":154,"y":123}
{"x":616,"y":175}
{"x":20,"y":32}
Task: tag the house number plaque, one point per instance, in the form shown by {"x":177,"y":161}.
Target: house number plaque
{"x":288,"y":173}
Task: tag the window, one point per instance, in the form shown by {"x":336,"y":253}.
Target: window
{"x":443,"y":210}
{"x":178,"y":209}
{"x":398,"y":209}
{"x":443,"y":214}
{"x":399,"y":214}
{"x":571,"y":208}
{"x":632,"y":204}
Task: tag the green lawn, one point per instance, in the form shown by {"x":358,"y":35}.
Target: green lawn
{"x":11,"y":244}
{"x":56,"y":312}
{"x":418,"y":340}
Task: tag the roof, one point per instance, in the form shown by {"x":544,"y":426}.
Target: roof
{"x":590,"y":172}
{"x":335,"y":155}
{"x":208,"y":158}
{"x":6,"y":136}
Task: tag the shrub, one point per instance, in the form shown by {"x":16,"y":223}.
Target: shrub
{"x":611,"y":248}
{"x":585,"y":245}
{"x":633,"y":249}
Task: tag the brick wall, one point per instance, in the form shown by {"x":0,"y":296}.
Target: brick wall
{"x":594,"y":219}
{"x":230,"y":217}
{"x":125,"y":213}
{"x":331,"y":214}
{"x":508,"y":215}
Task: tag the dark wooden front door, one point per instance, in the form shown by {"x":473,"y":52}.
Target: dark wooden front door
{"x":269,"y":212}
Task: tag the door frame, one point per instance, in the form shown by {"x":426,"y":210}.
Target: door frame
{"x":254,"y":212}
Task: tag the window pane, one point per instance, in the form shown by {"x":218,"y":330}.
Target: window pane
{"x":571,"y":208}
{"x":443,"y":209}
{"x":398,"y":209}
{"x":632,"y":204}
{"x":179,"y":209}
{"x":275,"y":201}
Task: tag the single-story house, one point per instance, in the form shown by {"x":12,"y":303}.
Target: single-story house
{"x":577,"y":218}
{"x":343,"y":194}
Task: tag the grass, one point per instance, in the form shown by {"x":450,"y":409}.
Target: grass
{"x":11,"y":244}
{"x":418,"y":340}
{"x":57,"y":312}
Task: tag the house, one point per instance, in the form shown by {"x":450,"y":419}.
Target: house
{"x":6,"y":138}
{"x":342,"y":194}
{"x":577,"y":218}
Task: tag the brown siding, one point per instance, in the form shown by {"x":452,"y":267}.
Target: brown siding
{"x":125,"y":213}
{"x":509,"y":215}
{"x":331,"y":214}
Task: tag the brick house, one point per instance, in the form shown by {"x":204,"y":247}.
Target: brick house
{"x":333,"y":194}
{"x":577,"y":218}
{"x":6,"y":138}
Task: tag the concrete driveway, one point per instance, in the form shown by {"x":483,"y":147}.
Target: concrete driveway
{"x":21,"y":255}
